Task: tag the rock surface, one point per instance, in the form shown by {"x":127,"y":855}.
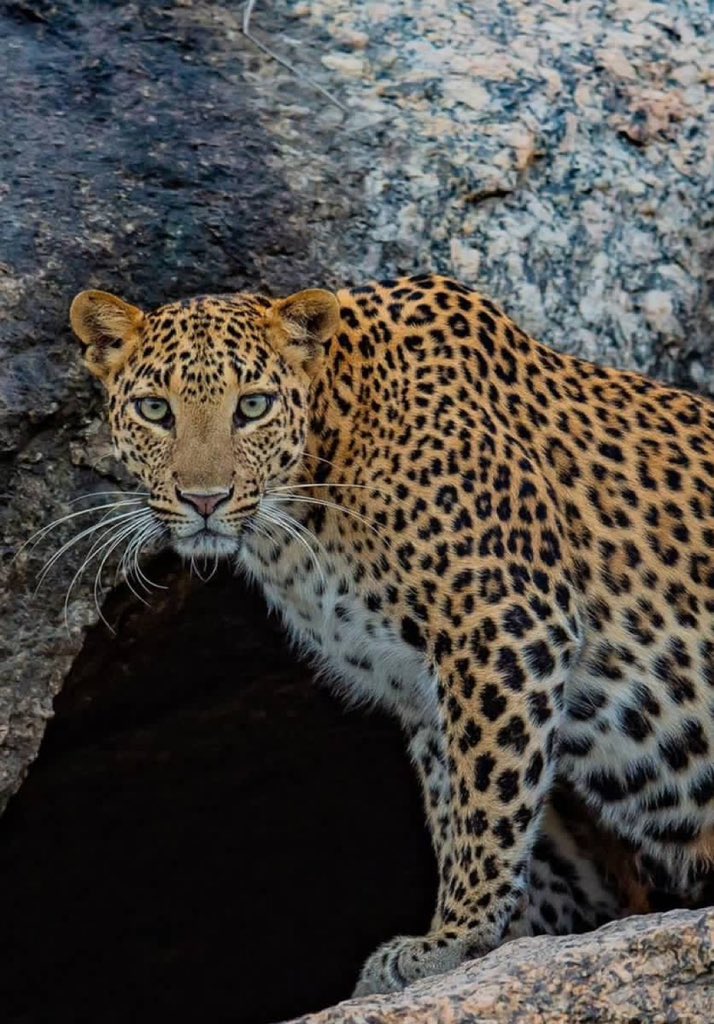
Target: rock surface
{"x":658,"y":969}
{"x":556,"y":155}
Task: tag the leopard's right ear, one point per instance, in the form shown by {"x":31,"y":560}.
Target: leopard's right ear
{"x":109,"y":329}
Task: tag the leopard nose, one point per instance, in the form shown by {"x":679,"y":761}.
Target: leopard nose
{"x":206,"y":503}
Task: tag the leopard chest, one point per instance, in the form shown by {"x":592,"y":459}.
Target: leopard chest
{"x":354,"y":645}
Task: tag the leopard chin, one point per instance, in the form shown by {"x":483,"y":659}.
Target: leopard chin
{"x":206,"y":544}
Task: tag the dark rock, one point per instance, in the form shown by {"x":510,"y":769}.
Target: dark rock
{"x":130,"y":163}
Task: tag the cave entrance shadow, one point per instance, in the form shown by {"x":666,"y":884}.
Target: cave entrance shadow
{"x":206,"y":834}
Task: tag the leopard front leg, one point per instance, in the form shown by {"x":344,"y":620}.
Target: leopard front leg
{"x":427,"y":751}
{"x":500,"y":708}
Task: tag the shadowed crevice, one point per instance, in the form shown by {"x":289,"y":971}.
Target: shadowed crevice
{"x":206,"y":835}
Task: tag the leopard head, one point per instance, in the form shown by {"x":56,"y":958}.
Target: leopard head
{"x":208,"y":401}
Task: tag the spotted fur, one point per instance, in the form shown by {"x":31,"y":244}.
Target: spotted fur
{"x":510,"y":549}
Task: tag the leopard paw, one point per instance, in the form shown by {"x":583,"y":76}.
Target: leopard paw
{"x":406,"y":959}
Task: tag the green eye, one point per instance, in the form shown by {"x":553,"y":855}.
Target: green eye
{"x":155,"y":410}
{"x":252,"y":407}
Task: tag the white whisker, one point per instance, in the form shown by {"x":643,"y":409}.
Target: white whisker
{"x":123,"y":517}
{"x":262,"y":531}
{"x":109,"y":548}
{"x":295,"y":530}
{"x":203,"y":576}
{"x":130,"y":561}
{"x":136,"y":532}
{"x":301,"y":527}
{"x":126,"y":561}
{"x":326,"y":462}
{"x":39,"y":534}
{"x":102,"y":494}
{"x":214,"y":570}
{"x":319,"y":458}
{"x":328,"y":504}
{"x":109,"y":539}
{"x":303,"y":487}
{"x":127,"y":575}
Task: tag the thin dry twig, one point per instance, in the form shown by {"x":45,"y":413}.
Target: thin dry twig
{"x":247,"y":14}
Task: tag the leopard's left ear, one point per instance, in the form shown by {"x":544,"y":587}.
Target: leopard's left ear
{"x":108,"y":327}
{"x":300,"y":324}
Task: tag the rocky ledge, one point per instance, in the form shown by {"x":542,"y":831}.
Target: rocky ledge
{"x":657,"y":969}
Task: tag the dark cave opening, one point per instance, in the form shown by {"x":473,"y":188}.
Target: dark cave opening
{"x":206,"y":834}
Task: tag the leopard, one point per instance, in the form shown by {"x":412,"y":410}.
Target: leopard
{"x":507,"y":547}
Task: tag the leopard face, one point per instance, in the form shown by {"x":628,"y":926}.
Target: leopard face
{"x":207,"y":402}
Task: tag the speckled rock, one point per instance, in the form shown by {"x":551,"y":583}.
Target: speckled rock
{"x":657,"y":969}
{"x":556,"y":155}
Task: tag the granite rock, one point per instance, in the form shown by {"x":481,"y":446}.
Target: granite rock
{"x":658,"y":968}
{"x":558,"y":156}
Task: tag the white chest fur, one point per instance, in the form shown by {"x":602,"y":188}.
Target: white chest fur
{"x":357,"y":649}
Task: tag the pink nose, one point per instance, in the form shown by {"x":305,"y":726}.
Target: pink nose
{"x":205,"y":504}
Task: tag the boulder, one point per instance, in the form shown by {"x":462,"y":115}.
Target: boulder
{"x":658,"y":968}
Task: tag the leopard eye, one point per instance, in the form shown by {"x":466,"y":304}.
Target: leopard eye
{"x":155,"y":410}
{"x":252,"y":407}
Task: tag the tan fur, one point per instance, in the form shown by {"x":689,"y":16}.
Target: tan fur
{"x":109,"y":328}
